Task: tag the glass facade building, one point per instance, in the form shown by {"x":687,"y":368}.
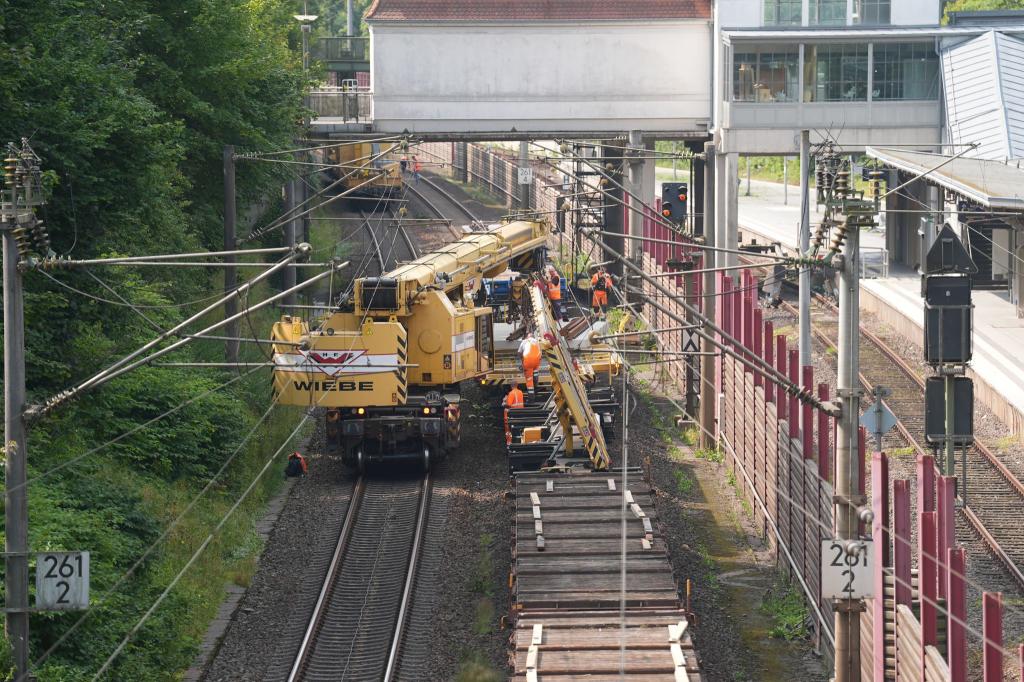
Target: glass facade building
{"x":835,"y":72}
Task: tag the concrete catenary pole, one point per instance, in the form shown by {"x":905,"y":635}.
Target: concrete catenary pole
{"x":350,"y":20}
{"x":15,"y":452}
{"x":805,"y":247}
{"x":524,"y":162}
{"x":289,"y":238}
{"x":230,"y":244}
{"x":847,"y":611}
{"x":708,"y":363}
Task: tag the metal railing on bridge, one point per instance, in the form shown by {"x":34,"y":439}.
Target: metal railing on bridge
{"x":342,"y":49}
{"x":349,"y":104}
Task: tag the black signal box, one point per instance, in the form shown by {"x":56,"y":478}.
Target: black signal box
{"x":935,"y":410}
{"x":947,"y":319}
{"x":674,"y":198}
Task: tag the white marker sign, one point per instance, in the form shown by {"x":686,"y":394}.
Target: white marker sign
{"x":847,"y":576}
{"x":525,"y":175}
{"x":62,"y":581}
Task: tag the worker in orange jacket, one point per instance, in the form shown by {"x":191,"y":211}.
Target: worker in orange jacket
{"x":555,"y":296}
{"x":514,"y":400}
{"x":529,"y":359}
{"x":600,"y":285}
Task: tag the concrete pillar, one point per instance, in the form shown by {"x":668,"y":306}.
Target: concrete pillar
{"x":635,"y":186}
{"x":614,"y":213}
{"x":732,"y":216}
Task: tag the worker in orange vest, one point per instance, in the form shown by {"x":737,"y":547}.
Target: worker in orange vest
{"x":296,"y":466}
{"x":514,"y":400}
{"x":600,"y":285}
{"x":529,"y":359}
{"x":555,"y":296}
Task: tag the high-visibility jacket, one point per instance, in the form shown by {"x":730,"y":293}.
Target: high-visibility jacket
{"x":607,"y":283}
{"x":555,"y":291}
{"x":515,"y":399}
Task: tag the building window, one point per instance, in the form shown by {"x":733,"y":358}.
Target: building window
{"x":783,"y":12}
{"x":836,"y":73}
{"x":872,"y":12}
{"x":828,"y":12}
{"x":769,"y":75}
{"x":903,"y":71}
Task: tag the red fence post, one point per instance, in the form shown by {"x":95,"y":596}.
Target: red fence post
{"x":737,"y":316}
{"x":824,"y":458}
{"x":925,"y":483}
{"x":926,"y":578}
{"x":992,"y":633}
{"x":807,"y":423}
{"x":748,"y":315}
{"x":945,"y":494}
{"x":793,"y":413}
{"x":956,"y":615}
{"x":769,"y":359}
{"x":780,"y":361}
{"x":726,"y":320}
{"x":880,"y":505}
{"x":901,"y":540}
{"x":758,"y":341}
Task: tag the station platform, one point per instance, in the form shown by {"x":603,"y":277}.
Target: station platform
{"x":998,"y":364}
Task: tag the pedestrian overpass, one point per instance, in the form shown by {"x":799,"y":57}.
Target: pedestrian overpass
{"x":493,"y":70}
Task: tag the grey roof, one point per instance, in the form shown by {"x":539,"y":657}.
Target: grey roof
{"x":994,"y":184}
{"x":862,"y":33}
{"x":983,"y":80}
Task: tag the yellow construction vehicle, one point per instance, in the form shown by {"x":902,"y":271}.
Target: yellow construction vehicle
{"x":369,"y":169}
{"x":387,"y":367}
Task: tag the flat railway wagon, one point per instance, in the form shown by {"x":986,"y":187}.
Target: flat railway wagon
{"x":581,"y":589}
{"x":366,"y":169}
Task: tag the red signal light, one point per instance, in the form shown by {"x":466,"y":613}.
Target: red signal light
{"x":682,"y":197}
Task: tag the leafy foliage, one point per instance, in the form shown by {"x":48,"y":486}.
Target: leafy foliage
{"x":979,"y":5}
{"x":129,"y":104}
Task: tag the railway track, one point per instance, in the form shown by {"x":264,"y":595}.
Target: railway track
{"x":446,"y":198}
{"x":993,"y":496}
{"x":360,"y":620}
{"x":388,"y":218}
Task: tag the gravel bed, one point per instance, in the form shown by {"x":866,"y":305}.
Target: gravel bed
{"x":309,"y":522}
{"x":473,"y":594}
{"x":713,"y":543}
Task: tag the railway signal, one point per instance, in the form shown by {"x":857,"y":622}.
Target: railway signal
{"x":674,"y":198}
{"x":946,"y":288}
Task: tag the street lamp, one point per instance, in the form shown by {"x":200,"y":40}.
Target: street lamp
{"x":307,"y":22}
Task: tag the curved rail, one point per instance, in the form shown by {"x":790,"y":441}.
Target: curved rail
{"x":374,"y":561}
{"x":987,"y":456}
{"x":448,"y":197}
{"x":376,"y":242}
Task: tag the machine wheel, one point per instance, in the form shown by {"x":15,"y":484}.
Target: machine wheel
{"x":360,"y":461}
{"x":426,"y":459}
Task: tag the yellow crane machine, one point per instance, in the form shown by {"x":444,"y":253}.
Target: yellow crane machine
{"x":387,"y":367}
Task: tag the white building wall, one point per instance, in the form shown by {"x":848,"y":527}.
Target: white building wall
{"x":652,"y":76}
{"x":740,"y":13}
{"x":974,"y":105}
{"x":915,"y":12}
{"x":1011,"y":73}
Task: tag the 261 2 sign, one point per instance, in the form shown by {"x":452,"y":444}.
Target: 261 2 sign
{"x":845,"y":575}
{"x":62,"y":581}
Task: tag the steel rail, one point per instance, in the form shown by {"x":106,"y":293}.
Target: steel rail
{"x":376,"y":242}
{"x":447,"y":195}
{"x":973,"y":520}
{"x":432,"y":207}
{"x":315,"y":621}
{"x":410,"y":579}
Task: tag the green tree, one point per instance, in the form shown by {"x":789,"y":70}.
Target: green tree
{"x":979,"y":5}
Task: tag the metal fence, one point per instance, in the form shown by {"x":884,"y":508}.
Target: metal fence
{"x":342,"y":49}
{"x":344,"y":103}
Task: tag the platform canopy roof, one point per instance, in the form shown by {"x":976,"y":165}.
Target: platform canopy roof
{"x":536,"y":10}
{"x":994,"y":184}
